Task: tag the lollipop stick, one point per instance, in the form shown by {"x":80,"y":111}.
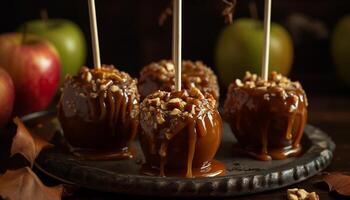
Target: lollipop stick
{"x":266,"y":48}
{"x":94,"y":34}
{"x":177,"y":26}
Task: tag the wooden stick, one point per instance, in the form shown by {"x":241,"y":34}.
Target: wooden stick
{"x":94,"y":34}
{"x":266,"y":48}
{"x":177,"y":37}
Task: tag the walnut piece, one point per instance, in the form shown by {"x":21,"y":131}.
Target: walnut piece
{"x":301,"y":194}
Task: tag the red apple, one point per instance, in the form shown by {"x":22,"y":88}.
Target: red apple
{"x":7,"y":97}
{"x":34,"y":66}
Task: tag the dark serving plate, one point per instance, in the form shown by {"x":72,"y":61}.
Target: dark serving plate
{"x":244,"y":175}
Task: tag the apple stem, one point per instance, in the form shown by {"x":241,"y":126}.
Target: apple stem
{"x":253,"y":10}
{"x":44,"y":15}
{"x":266,"y":48}
{"x":94,"y":34}
{"x":177,"y":37}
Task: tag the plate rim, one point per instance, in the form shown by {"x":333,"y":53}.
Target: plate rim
{"x":183,"y":187}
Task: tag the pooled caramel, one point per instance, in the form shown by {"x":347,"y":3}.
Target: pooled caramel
{"x":161,"y":76}
{"x":267,"y":117}
{"x":99,"y":109}
{"x":181,"y":131}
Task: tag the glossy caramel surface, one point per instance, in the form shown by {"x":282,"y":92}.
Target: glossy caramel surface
{"x":267,"y":119}
{"x":181,"y":132}
{"x":99,"y":109}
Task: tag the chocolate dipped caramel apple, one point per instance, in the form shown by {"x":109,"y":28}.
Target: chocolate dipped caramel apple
{"x":267,"y":117}
{"x":99,"y":111}
{"x":161,"y":76}
{"x":180,"y":134}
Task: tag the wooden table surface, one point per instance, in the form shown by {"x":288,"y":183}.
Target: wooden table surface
{"x":331,"y":114}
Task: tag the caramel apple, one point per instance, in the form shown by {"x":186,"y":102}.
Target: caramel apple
{"x":180,"y":133}
{"x":99,"y":110}
{"x":161,"y":76}
{"x":267,"y":117}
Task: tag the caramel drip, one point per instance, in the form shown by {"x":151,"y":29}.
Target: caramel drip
{"x":111,"y":102}
{"x":135,"y":124}
{"x":163,"y":157}
{"x":129,"y":107}
{"x":92,"y":109}
{"x":103,"y":107}
{"x":264,"y":137}
{"x":299,"y":132}
{"x":123,"y":107}
{"x":201,"y":127}
{"x":117,"y":107}
{"x":192,"y":139}
{"x":209,"y":123}
{"x":289,"y":133}
{"x":152,"y":144}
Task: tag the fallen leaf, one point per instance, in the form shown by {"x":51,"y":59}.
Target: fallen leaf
{"x":338,"y":182}
{"x":27,"y":144}
{"x":23,"y":184}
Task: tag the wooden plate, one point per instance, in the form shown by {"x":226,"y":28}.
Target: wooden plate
{"x":244,"y":175}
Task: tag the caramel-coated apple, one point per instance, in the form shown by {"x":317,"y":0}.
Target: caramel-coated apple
{"x":99,"y":109}
{"x":180,"y":133}
{"x":267,"y":117}
{"x":161,"y":76}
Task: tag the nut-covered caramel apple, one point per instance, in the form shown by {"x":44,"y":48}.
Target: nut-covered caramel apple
{"x":267,"y":117}
{"x":99,"y":110}
{"x":180,"y":133}
{"x":161,"y":76}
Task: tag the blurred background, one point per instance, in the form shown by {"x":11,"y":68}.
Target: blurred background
{"x":130,"y":36}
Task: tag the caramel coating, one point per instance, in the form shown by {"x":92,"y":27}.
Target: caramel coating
{"x":267,"y":117}
{"x":161,"y":76}
{"x":99,"y":109}
{"x":180,"y":130}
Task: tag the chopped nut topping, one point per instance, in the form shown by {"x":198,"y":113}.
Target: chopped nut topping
{"x":160,"y":119}
{"x":105,"y":86}
{"x":277,"y":85}
{"x":172,"y":107}
{"x":88,"y":76}
{"x":175,"y":100}
{"x":94,"y":95}
{"x":239,"y":83}
{"x":154,"y":102}
{"x":169,"y":66}
{"x":266,"y":96}
{"x":94,"y":83}
{"x":194,"y":74}
{"x":115,"y":88}
{"x":175,"y":112}
{"x":301,"y":194}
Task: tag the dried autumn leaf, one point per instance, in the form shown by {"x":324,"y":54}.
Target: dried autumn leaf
{"x":338,"y":182}
{"x":228,"y":11}
{"x":26,"y":144}
{"x":23,"y":184}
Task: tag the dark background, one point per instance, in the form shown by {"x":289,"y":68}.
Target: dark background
{"x":131,"y":38}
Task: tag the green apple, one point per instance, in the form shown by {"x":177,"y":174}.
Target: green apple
{"x":68,"y":39}
{"x":340,"y":47}
{"x":239,"y":49}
